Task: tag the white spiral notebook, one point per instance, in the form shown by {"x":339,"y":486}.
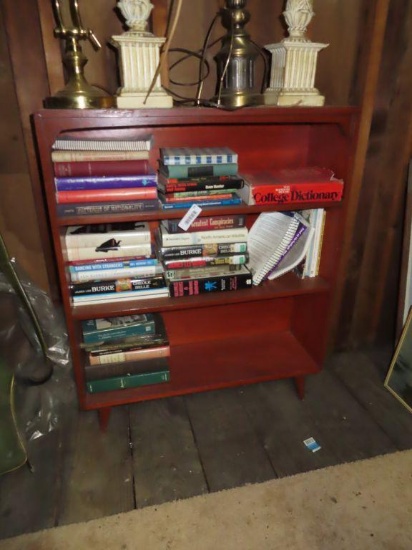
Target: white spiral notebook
{"x":277,"y":242}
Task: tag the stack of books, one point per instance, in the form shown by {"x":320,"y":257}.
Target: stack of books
{"x":98,"y":176}
{"x":125,"y":352}
{"x":202,"y":176}
{"x":203,"y":259}
{"x":109,"y":262}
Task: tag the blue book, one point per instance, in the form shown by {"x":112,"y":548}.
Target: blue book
{"x":223,"y":202}
{"x":105,"y":182}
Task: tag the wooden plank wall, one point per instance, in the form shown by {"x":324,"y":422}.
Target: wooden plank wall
{"x":344,"y":24}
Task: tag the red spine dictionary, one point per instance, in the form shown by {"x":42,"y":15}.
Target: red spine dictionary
{"x":101,"y":168}
{"x":106,"y":195}
{"x":290,"y":186}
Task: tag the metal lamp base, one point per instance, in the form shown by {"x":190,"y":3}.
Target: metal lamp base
{"x":92,"y":98}
{"x":235,"y":100}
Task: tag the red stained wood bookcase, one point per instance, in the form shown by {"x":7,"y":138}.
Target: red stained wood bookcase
{"x":279,"y":329}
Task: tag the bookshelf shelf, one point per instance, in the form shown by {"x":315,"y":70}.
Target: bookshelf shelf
{"x":276,"y":330}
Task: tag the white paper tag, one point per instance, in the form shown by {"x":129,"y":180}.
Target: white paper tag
{"x":189,"y":217}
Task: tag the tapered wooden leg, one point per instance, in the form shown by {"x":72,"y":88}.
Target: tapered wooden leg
{"x":300,"y":386}
{"x":104,"y":415}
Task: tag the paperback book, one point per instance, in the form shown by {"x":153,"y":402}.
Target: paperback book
{"x":103,"y":264}
{"x":115,"y":286}
{"x":212,"y":249}
{"x":98,"y":235}
{"x":212,"y":183}
{"x":202,"y":237}
{"x":110,"y":297}
{"x":122,"y":273}
{"x":207,"y":223}
{"x":220,"y":281}
{"x":70,"y":143}
{"x":131,"y":354}
{"x":110,"y":248}
{"x":206,"y":261}
{"x":203,"y":203}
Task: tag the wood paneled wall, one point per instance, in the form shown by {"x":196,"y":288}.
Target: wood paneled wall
{"x":346,"y":25}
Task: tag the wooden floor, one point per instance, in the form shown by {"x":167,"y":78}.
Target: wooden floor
{"x":176,"y":448}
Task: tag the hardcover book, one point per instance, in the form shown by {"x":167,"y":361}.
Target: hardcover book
{"x":293,"y":185}
{"x":106,"y":195}
{"x":130,"y":381}
{"x":103,"y":264}
{"x":98,"y":235}
{"x":131,"y":354}
{"x":109,"y":370}
{"x":106,"y":208}
{"x":109,"y":248}
{"x":91,"y":157}
{"x":106,"y":181}
{"x":197,"y":155}
{"x":198,"y":195}
{"x":207,"y":223}
{"x":99,"y":168}
{"x":121,"y":273}
{"x":222,"y":281}
{"x":198,"y":170}
{"x":233,"y":235}
{"x":212,"y":249}
{"x":113,"y":328}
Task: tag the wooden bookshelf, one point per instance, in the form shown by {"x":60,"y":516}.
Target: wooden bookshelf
{"x":277,"y":330}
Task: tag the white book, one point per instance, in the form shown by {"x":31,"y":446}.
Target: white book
{"x":112,"y":297}
{"x":272,"y":241}
{"x":235,"y":235}
{"x":97,"y":235}
{"x":141,"y":143}
{"x":111,"y":251}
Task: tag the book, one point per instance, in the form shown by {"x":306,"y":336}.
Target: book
{"x":203,"y":203}
{"x":292,"y":185}
{"x":109,"y":249}
{"x":207,"y":223}
{"x":115,"y":181}
{"x":233,"y":235}
{"x":132,"y":354}
{"x":196,"y":272}
{"x":106,"y":208}
{"x":310,"y":266}
{"x":271,"y":241}
{"x":174,"y":185}
{"x":99,"y":168}
{"x":212,"y":249}
{"x":205,"y":261}
{"x":97,"y":235}
{"x":222,"y":281}
{"x":198,"y":170}
{"x":198,"y":195}
{"x":197,"y":155}
{"x":143,"y":272}
{"x":116,"y":286}
{"x":114,"y":328}
{"x":103,"y":264}
{"x":110,"y":297}
{"x":109,"y":370}
{"x":71,"y":143}
{"x":130,"y":381}
{"x":73,"y":158}
{"x":106,"y":195}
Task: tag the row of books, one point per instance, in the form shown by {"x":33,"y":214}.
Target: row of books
{"x":128,"y":260}
{"x":125,"y":352}
{"x":115,"y":176}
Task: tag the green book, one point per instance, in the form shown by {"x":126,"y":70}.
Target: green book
{"x":198,"y":170}
{"x":129,"y":381}
{"x":116,"y":328}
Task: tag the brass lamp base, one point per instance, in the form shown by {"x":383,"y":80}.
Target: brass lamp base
{"x":235,"y":100}
{"x":92,"y":98}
